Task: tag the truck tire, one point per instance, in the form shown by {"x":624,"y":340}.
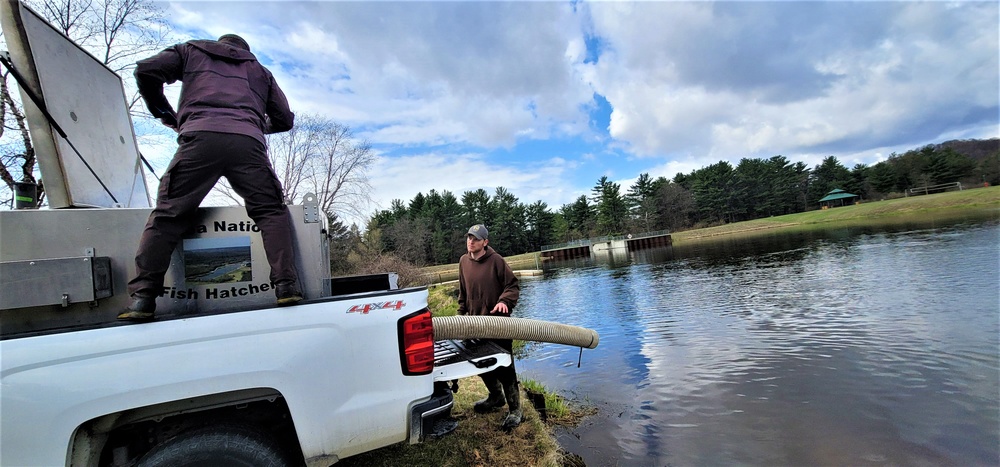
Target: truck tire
{"x":217,"y":446}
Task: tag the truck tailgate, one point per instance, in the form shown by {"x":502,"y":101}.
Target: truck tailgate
{"x":456,"y":359}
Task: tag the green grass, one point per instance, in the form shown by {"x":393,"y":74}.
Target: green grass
{"x":555,"y":405}
{"x":442,"y":299}
{"x":982,"y":200}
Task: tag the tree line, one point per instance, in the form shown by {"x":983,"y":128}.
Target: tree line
{"x":430,"y":228}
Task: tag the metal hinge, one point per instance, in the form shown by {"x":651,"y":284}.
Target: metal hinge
{"x":310,"y":208}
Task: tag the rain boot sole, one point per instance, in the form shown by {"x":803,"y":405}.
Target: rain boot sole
{"x":138,"y":316}
{"x":287,"y":301}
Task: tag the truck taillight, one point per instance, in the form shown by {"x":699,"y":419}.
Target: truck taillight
{"x":416,"y":335}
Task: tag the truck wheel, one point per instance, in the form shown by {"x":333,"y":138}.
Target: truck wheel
{"x":228,"y":445}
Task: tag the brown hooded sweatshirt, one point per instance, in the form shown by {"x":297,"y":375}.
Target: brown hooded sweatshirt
{"x":485,"y":281}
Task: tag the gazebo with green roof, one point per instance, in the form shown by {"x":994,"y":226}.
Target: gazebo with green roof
{"x":837,"y":197}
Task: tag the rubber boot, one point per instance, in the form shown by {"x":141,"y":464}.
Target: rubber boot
{"x":288,"y":293}
{"x":141,"y":308}
{"x":494,"y":400}
{"x":514,"y":414}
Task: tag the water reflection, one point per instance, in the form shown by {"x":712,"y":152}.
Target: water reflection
{"x":854,"y":346}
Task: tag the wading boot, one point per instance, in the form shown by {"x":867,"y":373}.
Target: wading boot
{"x":494,"y":400}
{"x":514,"y":414}
{"x":140,"y":309}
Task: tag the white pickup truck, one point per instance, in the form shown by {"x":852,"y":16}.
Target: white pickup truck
{"x":309,"y":384}
{"x":222,"y":377}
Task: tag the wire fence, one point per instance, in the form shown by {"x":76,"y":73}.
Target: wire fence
{"x":924,"y":190}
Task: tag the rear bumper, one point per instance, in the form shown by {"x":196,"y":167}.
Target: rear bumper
{"x":452,"y":360}
{"x":425,"y":415}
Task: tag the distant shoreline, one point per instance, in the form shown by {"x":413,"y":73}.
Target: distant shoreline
{"x":976,"y":202}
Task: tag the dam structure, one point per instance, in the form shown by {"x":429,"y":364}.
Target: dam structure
{"x":607,"y":245}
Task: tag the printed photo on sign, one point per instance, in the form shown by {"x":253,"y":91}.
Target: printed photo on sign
{"x":217,"y":260}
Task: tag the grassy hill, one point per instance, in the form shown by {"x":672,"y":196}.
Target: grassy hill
{"x":979,"y":201}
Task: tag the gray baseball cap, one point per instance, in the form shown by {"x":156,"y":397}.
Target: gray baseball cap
{"x":479,"y":231}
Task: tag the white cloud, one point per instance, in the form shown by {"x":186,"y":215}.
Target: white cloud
{"x":731,"y":80}
{"x":403,"y":177}
{"x":690,"y":83}
{"x":479,"y":73}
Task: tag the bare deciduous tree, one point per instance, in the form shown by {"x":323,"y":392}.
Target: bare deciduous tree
{"x":368,"y":256}
{"x":116,"y":32}
{"x":9,"y":154}
{"x":322,"y":157}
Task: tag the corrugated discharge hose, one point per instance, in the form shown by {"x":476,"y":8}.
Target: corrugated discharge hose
{"x":503,"y":327}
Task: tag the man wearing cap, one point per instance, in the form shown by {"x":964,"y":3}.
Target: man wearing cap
{"x":487,"y":286}
{"x":228,"y":102}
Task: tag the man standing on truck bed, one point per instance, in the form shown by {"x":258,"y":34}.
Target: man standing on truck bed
{"x":487,"y":286}
{"x":228,"y":102}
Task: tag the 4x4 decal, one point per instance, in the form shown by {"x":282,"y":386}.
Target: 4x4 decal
{"x":364,"y":309}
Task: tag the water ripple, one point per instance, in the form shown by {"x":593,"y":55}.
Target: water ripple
{"x":756,"y":354}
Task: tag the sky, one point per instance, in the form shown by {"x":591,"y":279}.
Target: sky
{"x":545,"y":98}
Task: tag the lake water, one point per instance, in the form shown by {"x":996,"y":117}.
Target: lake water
{"x":853,"y":346}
